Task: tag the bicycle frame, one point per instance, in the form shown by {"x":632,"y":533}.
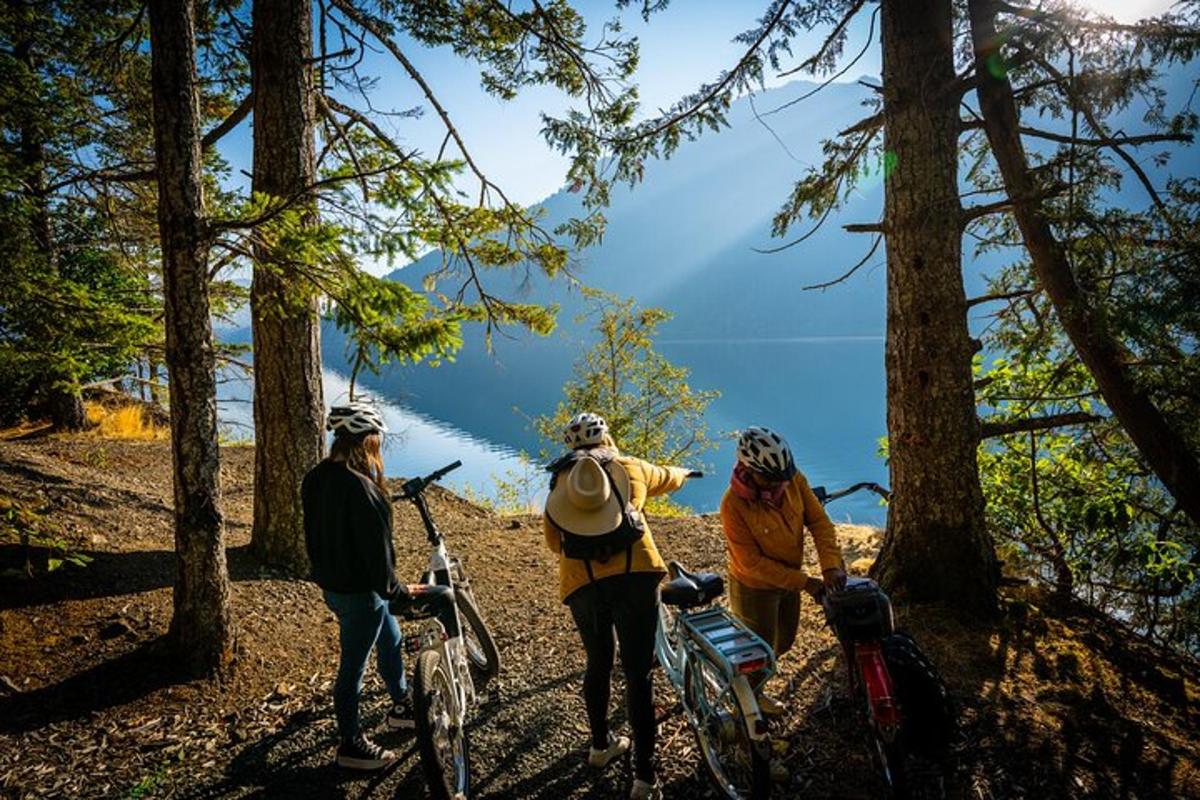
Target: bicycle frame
{"x":740,"y":662}
{"x":875,"y":683}
{"x":871,"y":677}
{"x":444,"y":570}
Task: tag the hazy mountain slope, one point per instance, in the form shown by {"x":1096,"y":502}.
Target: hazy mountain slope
{"x":683,"y":240}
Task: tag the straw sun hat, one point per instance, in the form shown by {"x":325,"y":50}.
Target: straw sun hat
{"x":585,"y":502}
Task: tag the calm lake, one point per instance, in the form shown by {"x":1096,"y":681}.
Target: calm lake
{"x":826,"y":395}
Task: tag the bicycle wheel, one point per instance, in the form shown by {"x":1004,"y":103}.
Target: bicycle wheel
{"x":443,"y":745}
{"x":739,"y":766}
{"x":481,"y":646}
{"x":889,"y":767}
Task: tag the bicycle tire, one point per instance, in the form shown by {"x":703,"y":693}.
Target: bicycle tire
{"x":482,"y":652}
{"x":756,"y":783}
{"x":929,"y":719}
{"x":445,"y":751}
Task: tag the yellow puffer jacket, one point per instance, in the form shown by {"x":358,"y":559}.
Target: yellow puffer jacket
{"x":766,"y":545}
{"x":645,"y":480}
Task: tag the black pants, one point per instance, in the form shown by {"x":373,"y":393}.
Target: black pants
{"x":628,"y":604}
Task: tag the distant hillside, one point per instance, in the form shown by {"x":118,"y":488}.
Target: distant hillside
{"x":683,"y":238}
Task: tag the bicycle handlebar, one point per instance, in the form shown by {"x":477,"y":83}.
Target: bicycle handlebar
{"x":415,"y":486}
{"x":825,"y":497}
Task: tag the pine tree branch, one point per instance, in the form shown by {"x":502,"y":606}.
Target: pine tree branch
{"x":114,"y":175}
{"x":1079,"y":141}
{"x":864,"y":227}
{"x":810,"y":63}
{"x":988,"y":430}
{"x":376,"y":29}
{"x":849,"y":66}
{"x":851,"y":271}
{"x":1074,"y":21}
{"x":678,"y":117}
{"x":991,"y":298}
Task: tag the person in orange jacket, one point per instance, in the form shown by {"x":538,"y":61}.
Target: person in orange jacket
{"x":765,"y":512}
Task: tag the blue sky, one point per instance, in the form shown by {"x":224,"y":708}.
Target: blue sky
{"x":682,"y":47}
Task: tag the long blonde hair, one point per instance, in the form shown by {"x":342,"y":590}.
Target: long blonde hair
{"x":362,"y":452}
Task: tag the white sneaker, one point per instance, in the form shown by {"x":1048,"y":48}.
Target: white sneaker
{"x":617,"y":747}
{"x":645,"y":791}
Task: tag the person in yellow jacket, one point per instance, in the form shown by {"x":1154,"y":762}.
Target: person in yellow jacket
{"x":608,"y":573}
{"x":765,"y":512}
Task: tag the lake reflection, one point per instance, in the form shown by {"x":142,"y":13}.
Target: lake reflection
{"x":826,"y":395}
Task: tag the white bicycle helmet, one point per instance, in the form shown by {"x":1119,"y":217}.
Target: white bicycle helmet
{"x":355,"y":418}
{"x":765,"y":452}
{"x":585,"y":430}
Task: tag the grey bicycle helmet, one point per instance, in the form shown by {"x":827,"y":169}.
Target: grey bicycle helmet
{"x":355,"y":418}
{"x":765,"y":452}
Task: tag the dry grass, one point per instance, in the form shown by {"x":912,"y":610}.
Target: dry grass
{"x":124,"y":422}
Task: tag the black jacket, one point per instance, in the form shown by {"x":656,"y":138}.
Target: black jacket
{"x":348,"y":531}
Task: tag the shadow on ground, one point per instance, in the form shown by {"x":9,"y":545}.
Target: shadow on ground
{"x":109,"y":684}
{"x":109,"y":574}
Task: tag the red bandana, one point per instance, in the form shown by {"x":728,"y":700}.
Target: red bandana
{"x":744,"y":487}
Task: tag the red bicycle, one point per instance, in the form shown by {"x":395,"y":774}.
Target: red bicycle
{"x":895,"y":687}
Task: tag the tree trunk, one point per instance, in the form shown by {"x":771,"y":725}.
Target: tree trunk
{"x":201,"y":628}
{"x":66,"y":410}
{"x":63,"y":403}
{"x":936,"y":548}
{"x":288,"y":402}
{"x":1100,"y":350}
{"x":32,"y":132}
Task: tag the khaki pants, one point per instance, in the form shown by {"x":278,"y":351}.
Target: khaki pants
{"x":774,"y":614}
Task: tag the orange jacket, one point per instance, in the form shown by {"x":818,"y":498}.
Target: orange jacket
{"x":645,"y":480}
{"x":766,"y":545}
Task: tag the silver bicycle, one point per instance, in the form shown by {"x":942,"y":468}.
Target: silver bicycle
{"x":453,"y":659}
{"x":717,"y":665}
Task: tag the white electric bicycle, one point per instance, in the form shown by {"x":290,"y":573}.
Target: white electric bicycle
{"x":453,"y":659}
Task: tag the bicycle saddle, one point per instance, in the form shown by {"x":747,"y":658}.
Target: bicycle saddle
{"x":428,"y":602}
{"x":689,"y":589}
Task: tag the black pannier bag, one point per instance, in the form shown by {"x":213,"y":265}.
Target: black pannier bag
{"x":862,"y":612}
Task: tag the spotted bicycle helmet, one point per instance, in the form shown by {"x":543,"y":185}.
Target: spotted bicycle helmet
{"x":585,"y":430}
{"x":765,"y":452}
{"x":355,"y":418}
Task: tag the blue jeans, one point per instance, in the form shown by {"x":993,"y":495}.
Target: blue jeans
{"x":364,"y":621}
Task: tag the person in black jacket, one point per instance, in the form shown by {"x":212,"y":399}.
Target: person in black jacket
{"x":348,"y":532}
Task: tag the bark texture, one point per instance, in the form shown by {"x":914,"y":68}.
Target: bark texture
{"x":201,"y":628}
{"x":1100,"y":350}
{"x":63,"y":405}
{"x":288,"y":402}
{"x":937,"y":547}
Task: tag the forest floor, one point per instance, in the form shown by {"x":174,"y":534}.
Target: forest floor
{"x":1055,"y":702}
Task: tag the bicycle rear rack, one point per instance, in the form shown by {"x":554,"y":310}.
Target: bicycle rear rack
{"x":729,"y":643}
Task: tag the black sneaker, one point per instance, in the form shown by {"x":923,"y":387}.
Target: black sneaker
{"x":363,"y":754}
{"x":400,"y":717}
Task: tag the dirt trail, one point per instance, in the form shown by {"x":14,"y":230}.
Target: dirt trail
{"x":1055,"y":703}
